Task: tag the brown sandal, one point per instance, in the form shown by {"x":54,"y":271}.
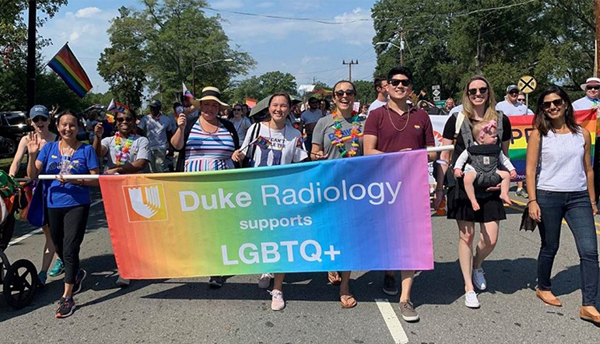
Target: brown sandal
{"x":334,"y":277}
{"x":348,"y":301}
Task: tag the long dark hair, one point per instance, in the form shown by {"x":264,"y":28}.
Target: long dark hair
{"x":544,"y":124}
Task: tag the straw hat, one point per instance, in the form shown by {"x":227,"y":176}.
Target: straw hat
{"x":209,"y":93}
{"x":590,"y":81}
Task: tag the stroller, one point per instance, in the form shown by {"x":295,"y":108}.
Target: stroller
{"x":19,"y":279}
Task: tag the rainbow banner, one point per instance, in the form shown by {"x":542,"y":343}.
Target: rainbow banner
{"x":68,"y":68}
{"x":522,"y":127}
{"x":335,"y":215}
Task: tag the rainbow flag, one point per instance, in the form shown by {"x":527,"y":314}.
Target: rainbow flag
{"x":251,"y":102}
{"x":65,"y":64}
{"x":186,"y":92}
{"x":262,"y":142}
{"x":291,"y":218}
{"x":522,"y":127}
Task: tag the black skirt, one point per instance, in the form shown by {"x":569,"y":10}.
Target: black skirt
{"x":460,"y":208}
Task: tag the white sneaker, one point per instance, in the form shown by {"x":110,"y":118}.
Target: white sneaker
{"x":471,"y":299}
{"x":277,"y":302}
{"x":479,"y":279}
{"x":264,"y":281}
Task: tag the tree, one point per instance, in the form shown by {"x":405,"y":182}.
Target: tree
{"x":446,"y":42}
{"x":365,"y":90}
{"x":264,"y":85}
{"x":170,"y":40}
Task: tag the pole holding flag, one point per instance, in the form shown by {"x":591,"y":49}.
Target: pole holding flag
{"x":65,"y":64}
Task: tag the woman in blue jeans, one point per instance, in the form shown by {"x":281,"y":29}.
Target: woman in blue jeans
{"x":564,"y":188}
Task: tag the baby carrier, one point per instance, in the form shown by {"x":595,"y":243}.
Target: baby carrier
{"x":484,"y":159}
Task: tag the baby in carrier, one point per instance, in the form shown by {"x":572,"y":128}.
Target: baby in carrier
{"x":482,"y":163}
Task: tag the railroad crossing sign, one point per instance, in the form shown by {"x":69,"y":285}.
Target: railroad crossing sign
{"x":527,"y":84}
{"x":436,"y":93}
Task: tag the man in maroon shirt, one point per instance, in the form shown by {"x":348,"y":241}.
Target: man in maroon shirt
{"x":391,"y":128}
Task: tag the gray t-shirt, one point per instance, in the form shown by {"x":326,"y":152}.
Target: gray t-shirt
{"x":139,"y":149}
{"x":156,"y":130}
{"x":324,"y":135}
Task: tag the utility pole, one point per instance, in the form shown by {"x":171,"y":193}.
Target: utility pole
{"x":352,"y":62}
{"x":31,"y":29}
{"x":597,"y":55}
{"x":401,"y":47}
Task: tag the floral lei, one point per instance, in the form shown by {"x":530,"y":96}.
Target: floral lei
{"x":339,"y":137}
{"x":122,"y":152}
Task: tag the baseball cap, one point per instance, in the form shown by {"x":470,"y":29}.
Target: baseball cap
{"x":156,"y":104}
{"x":512,"y":88}
{"x":38,"y":110}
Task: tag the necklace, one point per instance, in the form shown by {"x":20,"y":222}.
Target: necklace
{"x":339,"y":136}
{"x":65,"y":158}
{"x":405,"y":124}
{"x":206,"y":131}
{"x":122,"y":151}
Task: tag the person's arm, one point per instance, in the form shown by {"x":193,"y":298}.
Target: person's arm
{"x":14,"y":167}
{"x":129,"y":168}
{"x":589,"y":169}
{"x":531,"y":164}
{"x":461,"y":160}
{"x":370,"y":145}
{"x":97,"y":144}
{"x":443,"y":164}
{"x":178,"y":137}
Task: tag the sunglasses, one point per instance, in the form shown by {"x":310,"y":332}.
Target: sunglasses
{"x":593,"y":88}
{"x":124,"y":119}
{"x":237,"y":109}
{"x":396,"y":82}
{"x":557,"y":103}
{"x":340,"y":93}
{"x":39,"y":118}
{"x":473,"y":91}
{"x":521,"y":99}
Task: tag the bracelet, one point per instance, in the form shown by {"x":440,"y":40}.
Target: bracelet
{"x":442,"y":162}
{"x":593,"y":203}
{"x":532,"y":200}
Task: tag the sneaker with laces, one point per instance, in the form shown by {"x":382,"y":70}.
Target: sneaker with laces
{"x":389,"y":285}
{"x":408,"y":311}
{"x":57,"y":269}
{"x":479,"y":279}
{"x":277,"y":301}
{"x":471,"y":299}
{"x":81,"y":274}
{"x":265,"y":281}
{"x":66,"y":306}
{"x":215,"y":282}
{"x":522,"y":193}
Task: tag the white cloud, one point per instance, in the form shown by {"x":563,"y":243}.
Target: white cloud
{"x":87,"y":12}
{"x":227,"y":4}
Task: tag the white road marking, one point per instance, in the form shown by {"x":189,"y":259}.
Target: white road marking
{"x":39,"y":230}
{"x":392,"y":321}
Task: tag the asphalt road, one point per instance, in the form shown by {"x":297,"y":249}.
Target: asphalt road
{"x":187,"y":311}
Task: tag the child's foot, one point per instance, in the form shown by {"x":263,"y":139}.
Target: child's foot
{"x":506,"y":198}
{"x":475,"y":206}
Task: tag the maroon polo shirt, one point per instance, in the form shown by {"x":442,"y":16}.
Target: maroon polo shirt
{"x":417,"y":133}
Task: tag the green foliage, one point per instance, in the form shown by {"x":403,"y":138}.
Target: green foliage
{"x":259,"y":87}
{"x":365,"y":91}
{"x":164,"y":44}
{"x":449,"y":41}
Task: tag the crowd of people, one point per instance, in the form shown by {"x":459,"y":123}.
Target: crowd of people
{"x":206,"y":134}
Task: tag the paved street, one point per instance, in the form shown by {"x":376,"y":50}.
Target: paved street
{"x":187,"y":311}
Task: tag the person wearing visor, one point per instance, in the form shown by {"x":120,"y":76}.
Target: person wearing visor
{"x":39,"y":119}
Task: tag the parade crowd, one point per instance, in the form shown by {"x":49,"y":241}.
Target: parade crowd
{"x":206,"y":134}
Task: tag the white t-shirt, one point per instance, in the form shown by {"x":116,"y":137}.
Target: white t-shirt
{"x":585,"y":103}
{"x":138,"y":150}
{"x":284,"y":147}
{"x":375,"y":105}
{"x":516,"y":109}
{"x":309,"y":117}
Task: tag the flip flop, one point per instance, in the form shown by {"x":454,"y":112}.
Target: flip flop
{"x":348,"y":301}
{"x":334,"y":277}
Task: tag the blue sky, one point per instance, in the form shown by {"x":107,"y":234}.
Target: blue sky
{"x":305,"y":49}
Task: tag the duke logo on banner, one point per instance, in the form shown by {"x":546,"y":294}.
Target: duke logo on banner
{"x":146,"y":203}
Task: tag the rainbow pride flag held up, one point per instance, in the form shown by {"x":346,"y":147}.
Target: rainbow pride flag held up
{"x":251,"y":102}
{"x":522,"y":127}
{"x":186,"y":92}
{"x":68,"y":68}
{"x":334,"y":215}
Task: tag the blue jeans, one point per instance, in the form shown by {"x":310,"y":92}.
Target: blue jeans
{"x":576,"y":209}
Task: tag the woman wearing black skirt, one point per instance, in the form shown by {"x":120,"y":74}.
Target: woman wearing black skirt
{"x":478,"y":105}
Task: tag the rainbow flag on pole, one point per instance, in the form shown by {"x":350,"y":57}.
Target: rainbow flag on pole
{"x":65,"y":64}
